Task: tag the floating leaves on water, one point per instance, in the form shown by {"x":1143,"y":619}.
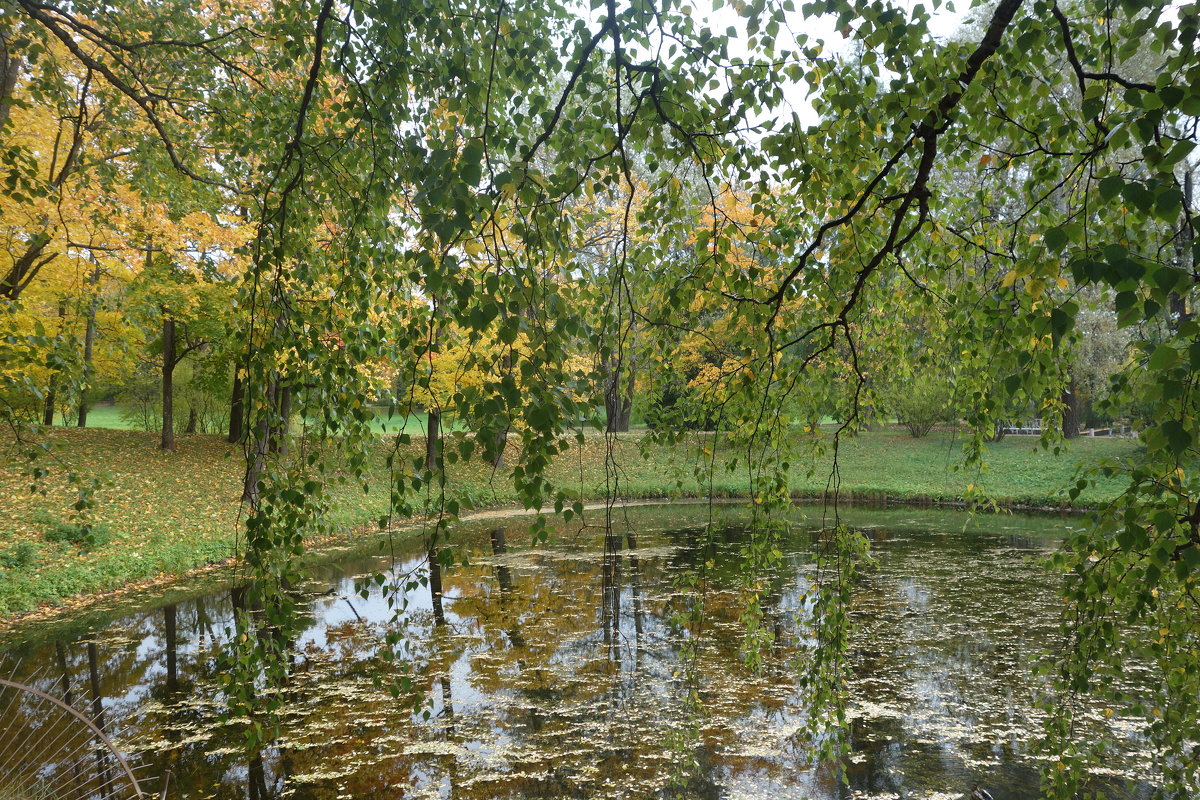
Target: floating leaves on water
{"x":551,"y":679}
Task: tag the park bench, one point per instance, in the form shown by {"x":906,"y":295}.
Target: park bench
{"x":1031,"y":427}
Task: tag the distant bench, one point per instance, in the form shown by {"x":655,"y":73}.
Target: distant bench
{"x":1032,"y":427}
{"x":1116,"y":430}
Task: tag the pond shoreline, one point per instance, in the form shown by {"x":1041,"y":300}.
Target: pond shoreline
{"x":316,"y":548}
{"x":163,"y":516}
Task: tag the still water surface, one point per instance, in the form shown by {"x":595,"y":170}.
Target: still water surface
{"x":556,"y":672}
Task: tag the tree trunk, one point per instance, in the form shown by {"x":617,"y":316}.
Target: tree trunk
{"x":192,"y":419}
{"x":1177,"y":310}
{"x":237,"y":410}
{"x":501,"y":443}
{"x":26,"y":267}
{"x":435,"y":586}
{"x":10,"y":69}
{"x":170,"y":634}
{"x":1070,"y":419}
{"x":501,"y":439}
{"x":51,"y":397}
{"x":168,"y":376}
{"x":89,"y":342}
{"x":432,"y":435}
{"x":97,"y":710}
{"x":262,"y":443}
{"x":618,"y":398}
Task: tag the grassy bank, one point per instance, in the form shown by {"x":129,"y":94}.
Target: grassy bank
{"x":168,"y":513}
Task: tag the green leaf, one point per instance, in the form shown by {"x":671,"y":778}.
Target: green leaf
{"x":1111,"y":186}
{"x":1056,"y":239}
{"x":1164,"y":356}
{"x":471,"y":162}
{"x":1177,"y":436}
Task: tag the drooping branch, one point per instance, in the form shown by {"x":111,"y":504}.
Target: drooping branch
{"x":1082,"y":75}
{"x":926,"y":137}
{"x":60,"y":28}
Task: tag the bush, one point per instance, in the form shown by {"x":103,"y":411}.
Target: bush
{"x":677,"y":408}
{"x":84,"y":535}
{"x":922,"y":403}
{"x":21,"y":555}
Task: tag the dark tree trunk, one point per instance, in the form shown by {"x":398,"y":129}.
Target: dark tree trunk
{"x":89,"y":343}
{"x":501,"y":443}
{"x":499,"y":548}
{"x":51,"y":398}
{"x":168,"y":389}
{"x":97,"y":710}
{"x":172,"y":643}
{"x":192,"y":420}
{"x":435,"y":586}
{"x":65,"y":670}
{"x":69,"y":697}
{"x":501,"y":440}
{"x":55,"y":376}
{"x":610,"y":594}
{"x":10,"y":69}
{"x":237,"y":410}
{"x":635,"y":578}
{"x":1176,"y":302}
{"x":284,"y":394}
{"x":1070,"y":419}
{"x":26,"y":267}
{"x":432,"y":435}
{"x":618,"y":398}
{"x":255,"y":466}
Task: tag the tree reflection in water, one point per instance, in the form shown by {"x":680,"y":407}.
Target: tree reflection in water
{"x":556,"y":672}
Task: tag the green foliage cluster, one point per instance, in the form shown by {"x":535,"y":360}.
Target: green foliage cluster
{"x":83,"y":535}
{"x":18,"y":556}
{"x":923,"y":402}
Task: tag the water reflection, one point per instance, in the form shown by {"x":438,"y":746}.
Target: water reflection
{"x":556,"y":672}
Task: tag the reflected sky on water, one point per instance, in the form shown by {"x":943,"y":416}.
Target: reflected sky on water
{"x":562,"y":671}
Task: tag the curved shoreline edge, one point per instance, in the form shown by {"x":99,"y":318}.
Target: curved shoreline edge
{"x":84,"y":602}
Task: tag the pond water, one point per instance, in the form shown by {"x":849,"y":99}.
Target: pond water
{"x":555,"y":672}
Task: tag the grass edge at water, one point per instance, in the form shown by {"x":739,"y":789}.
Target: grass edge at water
{"x":172,"y":513}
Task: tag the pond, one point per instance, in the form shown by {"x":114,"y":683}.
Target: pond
{"x":555,"y":672}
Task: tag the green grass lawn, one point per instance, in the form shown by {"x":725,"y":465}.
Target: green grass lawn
{"x":103,"y":415}
{"x":167,"y":513}
{"x":113,"y":417}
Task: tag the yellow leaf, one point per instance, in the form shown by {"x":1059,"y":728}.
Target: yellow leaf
{"x":1009,"y":279}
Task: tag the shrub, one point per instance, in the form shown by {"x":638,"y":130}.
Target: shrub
{"x":922,"y":403}
{"x":21,"y":555}
{"x":87,"y":536}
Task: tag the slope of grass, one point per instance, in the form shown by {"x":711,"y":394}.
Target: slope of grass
{"x":167,"y":513}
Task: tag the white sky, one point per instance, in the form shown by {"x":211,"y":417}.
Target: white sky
{"x":943,"y":23}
